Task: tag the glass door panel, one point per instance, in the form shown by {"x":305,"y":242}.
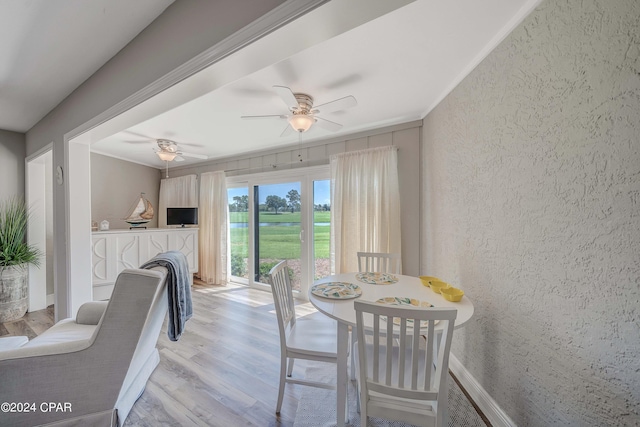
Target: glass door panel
{"x":239,"y":231}
{"x":277,"y":230}
{"x":321,"y":228}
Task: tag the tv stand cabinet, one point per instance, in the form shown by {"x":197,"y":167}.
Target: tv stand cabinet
{"x":115,"y":250}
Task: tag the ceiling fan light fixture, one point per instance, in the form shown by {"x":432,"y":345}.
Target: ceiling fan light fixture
{"x":165,"y":156}
{"x":301,"y":122}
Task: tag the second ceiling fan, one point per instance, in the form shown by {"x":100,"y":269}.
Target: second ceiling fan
{"x":303,"y":114}
{"x":169,"y":151}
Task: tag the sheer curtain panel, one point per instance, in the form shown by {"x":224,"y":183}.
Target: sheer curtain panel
{"x":365,"y":205}
{"x":180,"y":192}
{"x":214,"y":263}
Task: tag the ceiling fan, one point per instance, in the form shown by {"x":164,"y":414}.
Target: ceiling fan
{"x":303,"y":114}
{"x":169,"y":151}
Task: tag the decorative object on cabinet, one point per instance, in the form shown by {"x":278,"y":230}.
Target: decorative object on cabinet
{"x":141,"y":213}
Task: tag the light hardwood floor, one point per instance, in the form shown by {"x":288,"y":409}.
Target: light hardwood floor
{"x":224,"y":369}
{"x":31,"y":324}
{"x":222,"y":372}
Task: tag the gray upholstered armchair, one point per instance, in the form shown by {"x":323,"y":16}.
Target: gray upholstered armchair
{"x":94,"y":367}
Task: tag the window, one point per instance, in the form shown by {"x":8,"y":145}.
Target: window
{"x":280,"y":216}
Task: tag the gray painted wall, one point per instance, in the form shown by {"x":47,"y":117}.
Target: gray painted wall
{"x":115,"y":187}
{"x":406,"y":137}
{"x":184,"y":30}
{"x":532,"y":205}
{"x":12,"y":154}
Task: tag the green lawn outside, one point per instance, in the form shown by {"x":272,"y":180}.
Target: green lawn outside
{"x":318,"y":216}
{"x":280,"y":242}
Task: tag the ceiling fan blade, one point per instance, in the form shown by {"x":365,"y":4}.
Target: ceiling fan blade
{"x":195,"y":156}
{"x":287,"y":131}
{"x":139,"y":135}
{"x":337,"y":105}
{"x":328,"y":124}
{"x":287,"y":96}
{"x":253,"y":93}
{"x":139,"y":141}
{"x":178,"y":159}
{"x":272,"y":116}
{"x":189,"y":144}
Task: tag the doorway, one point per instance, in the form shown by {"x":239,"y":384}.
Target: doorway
{"x":40,"y":230}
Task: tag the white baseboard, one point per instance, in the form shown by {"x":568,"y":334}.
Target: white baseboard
{"x":496,"y":416}
{"x":51,"y":299}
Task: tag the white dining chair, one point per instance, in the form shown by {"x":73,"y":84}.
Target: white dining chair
{"x":396,"y":375}
{"x":376,"y":262}
{"x":379,"y":262}
{"x":308,"y":337}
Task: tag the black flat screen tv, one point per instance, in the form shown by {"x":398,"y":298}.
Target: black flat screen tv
{"x":182,"y":216}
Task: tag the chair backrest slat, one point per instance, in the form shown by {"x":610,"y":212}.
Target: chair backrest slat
{"x":376,"y":344}
{"x":403,"y":351}
{"x":429,"y":356}
{"x":379,"y":262}
{"x":389,"y":353}
{"x":403,"y":339}
{"x":415,"y":360}
{"x":282,"y":298}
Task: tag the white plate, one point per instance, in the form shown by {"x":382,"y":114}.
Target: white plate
{"x":337,"y":290}
{"x":377,"y":278}
{"x":405,"y":301}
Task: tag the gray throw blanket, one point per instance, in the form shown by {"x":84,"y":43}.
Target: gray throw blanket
{"x":178,"y":289}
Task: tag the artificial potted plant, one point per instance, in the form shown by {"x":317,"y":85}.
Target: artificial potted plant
{"x":15,"y":257}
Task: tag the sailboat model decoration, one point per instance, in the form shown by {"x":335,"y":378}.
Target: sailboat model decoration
{"x":141,"y":213}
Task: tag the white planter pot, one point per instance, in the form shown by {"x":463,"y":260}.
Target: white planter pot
{"x":14,"y":292}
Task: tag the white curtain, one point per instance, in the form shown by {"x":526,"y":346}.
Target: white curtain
{"x":214,"y":263}
{"x":180,"y":192}
{"x":365,"y":205}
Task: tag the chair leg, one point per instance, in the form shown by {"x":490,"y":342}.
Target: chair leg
{"x":283,"y":367}
{"x":353,"y":361}
{"x":290,"y":369}
{"x":363,"y":413}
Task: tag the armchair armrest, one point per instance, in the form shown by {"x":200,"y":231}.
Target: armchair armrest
{"x":44,"y":350}
{"x":90,"y":313}
{"x":9,"y":343}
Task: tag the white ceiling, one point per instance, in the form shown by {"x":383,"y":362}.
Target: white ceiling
{"x":49,"y":47}
{"x":398,"y":67}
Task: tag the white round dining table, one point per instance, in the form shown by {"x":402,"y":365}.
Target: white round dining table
{"x":343,"y":312}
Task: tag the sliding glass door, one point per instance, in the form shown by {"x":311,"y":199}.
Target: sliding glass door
{"x":321,"y":228}
{"x":280,"y":216}
{"x":239,"y":232}
{"x":277,"y":230}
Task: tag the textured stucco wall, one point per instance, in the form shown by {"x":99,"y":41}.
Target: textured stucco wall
{"x":532,"y":205}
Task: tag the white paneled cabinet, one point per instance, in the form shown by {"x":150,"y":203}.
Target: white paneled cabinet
{"x":115,"y":250}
